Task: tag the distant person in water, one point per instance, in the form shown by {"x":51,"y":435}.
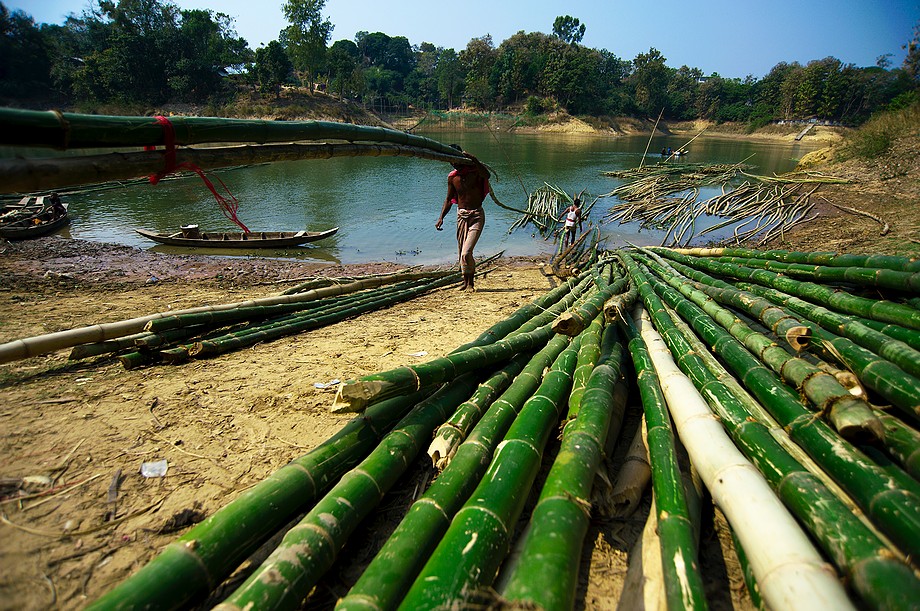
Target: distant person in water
{"x":467,"y":186}
{"x":572,"y":219}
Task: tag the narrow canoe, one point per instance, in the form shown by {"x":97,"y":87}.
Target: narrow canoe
{"x":24,"y":221}
{"x":255,"y":239}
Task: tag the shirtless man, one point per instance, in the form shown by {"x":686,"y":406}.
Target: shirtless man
{"x":467,"y":186}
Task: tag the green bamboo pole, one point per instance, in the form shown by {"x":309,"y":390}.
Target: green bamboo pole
{"x":308,"y":549}
{"x":860,"y":276}
{"x":894,"y":511}
{"x":270,"y":331}
{"x":23,"y":175}
{"x":861,"y":556}
{"x":902,"y":442}
{"x":83,"y":351}
{"x":851,"y":416}
{"x":390,"y":574}
{"x":250,"y":313}
{"x":886,"y":378}
{"x":73,"y":130}
{"x":573,"y":322}
{"x":449,"y":436}
{"x":355,"y":395}
{"x":683,"y":583}
{"x":792,"y":572}
{"x":468,"y":556}
{"x":588,"y":355}
{"x":528,"y":317}
{"x":892,"y":262}
{"x":545,"y":573}
{"x":541,"y":311}
{"x":203,"y":557}
{"x":43,"y":344}
{"x":880,"y":310}
{"x":899,"y":353}
{"x":747,"y":574}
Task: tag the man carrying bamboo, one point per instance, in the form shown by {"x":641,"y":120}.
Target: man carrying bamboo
{"x":467,"y":186}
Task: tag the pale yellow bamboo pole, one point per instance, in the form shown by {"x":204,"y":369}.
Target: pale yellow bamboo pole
{"x":686,"y":143}
{"x":652,"y":135}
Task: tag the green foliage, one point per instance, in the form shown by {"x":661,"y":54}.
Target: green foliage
{"x":876,"y":136}
{"x":272,"y":67}
{"x":306,"y":36}
{"x":568,"y":29}
{"x":142,"y":53}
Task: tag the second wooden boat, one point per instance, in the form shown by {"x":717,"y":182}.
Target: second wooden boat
{"x":191,"y":237}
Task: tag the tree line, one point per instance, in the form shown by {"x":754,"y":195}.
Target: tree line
{"x":149,"y":52}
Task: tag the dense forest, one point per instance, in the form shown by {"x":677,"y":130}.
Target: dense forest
{"x":126,"y":53}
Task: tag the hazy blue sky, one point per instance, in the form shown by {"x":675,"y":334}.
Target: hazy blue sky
{"x":733,"y":38}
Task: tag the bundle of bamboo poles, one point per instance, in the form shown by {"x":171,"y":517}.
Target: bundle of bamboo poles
{"x":666,"y":197}
{"x":735,"y":365}
{"x":268,"y":141}
{"x":175,"y":336}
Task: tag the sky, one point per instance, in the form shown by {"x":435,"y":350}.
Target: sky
{"x":734,"y":38}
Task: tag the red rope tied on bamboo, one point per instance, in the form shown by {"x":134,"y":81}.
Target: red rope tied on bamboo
{"x":228,"y":205}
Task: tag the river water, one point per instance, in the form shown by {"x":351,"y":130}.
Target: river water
{"x":386,"y":207}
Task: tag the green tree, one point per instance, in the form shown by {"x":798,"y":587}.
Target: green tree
{"x":422,"y":82}
{"x":207,"y":48}
{"x":306,"y":37}
{"x":568,"y":29}
{"x":649,"y":80}
{"x":272,"y":67}
{"x":450,"y":77}
{"x":477,"y":60}
{"x":25,"y":62}
{"x":519,"y":65}
{"x":342,"y":62}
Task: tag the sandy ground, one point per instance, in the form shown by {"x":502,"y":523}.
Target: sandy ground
{"x":69,"y":429}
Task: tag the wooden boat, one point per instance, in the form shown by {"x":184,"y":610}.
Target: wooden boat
{"x":191,"y":237}
{"x":27,"y":220}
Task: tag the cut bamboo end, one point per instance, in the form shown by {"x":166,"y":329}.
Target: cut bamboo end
{"x":355,"y":396}
{"x":799,"y":337}
{"x":443,"y":448}
{"x":568,"y":324}
{"x":613,"y":310}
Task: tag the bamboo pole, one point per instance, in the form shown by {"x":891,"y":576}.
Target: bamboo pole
{"x":72,"y":130}
{"x":205,"y":555}
{"x":642,"y":162}
{"x":856,"y":548}
{"x":544,"y":572}
{"x":308,"y":549}
{"x":893,"y":509}
{"x":789,"y":571}
{"x":471,"y":551}
{"x":851,"y":416}
{"x":388,"y":577}
{"x":50,"y":342}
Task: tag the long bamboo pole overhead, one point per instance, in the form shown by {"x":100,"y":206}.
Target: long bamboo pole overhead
{"x":26,"y":175}
{"x":73,"y":131}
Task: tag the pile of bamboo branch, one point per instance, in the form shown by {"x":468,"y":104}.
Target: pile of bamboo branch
{"x":666,"y":197}
{"x":795,"y":396}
